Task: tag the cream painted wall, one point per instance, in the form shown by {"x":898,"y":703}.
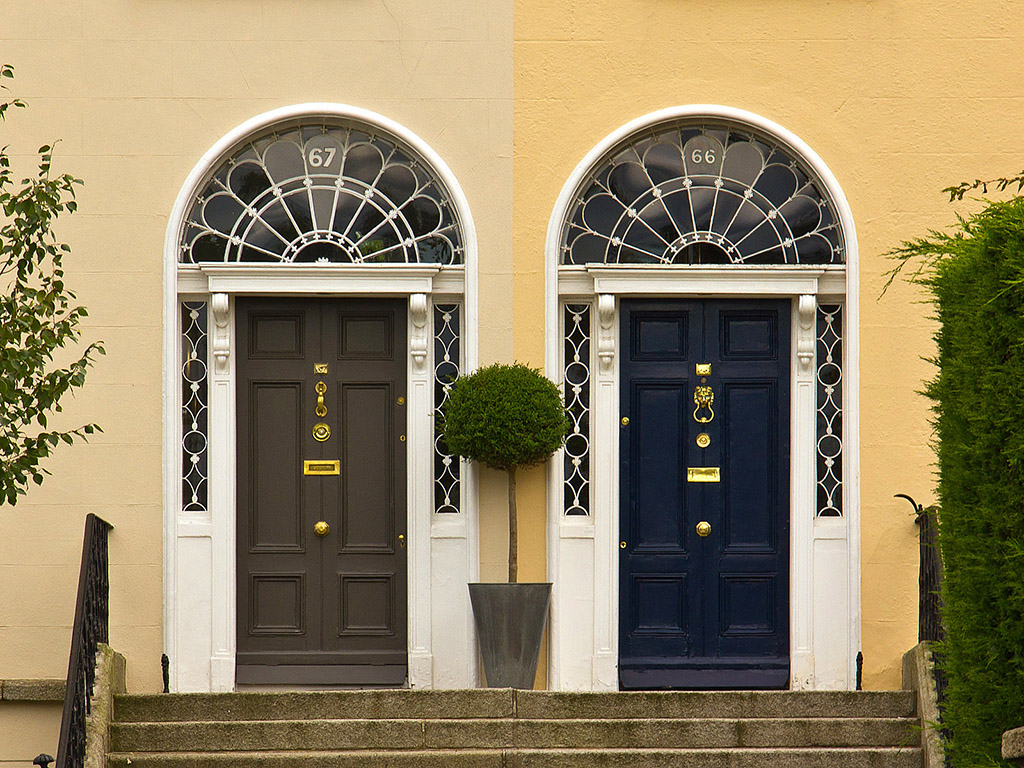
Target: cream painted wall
{"x":137,"y":91}
{"x":26,"y":729}
{"x":899,"y":99}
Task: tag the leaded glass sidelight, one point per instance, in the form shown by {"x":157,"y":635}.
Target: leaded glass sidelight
{"x":194,"y":407}
{"x":323,"y":193}
{"x":447,"y":469}
{"x":576,"y":454}
{"x":830,"y":410}
{"x":701,"y":192}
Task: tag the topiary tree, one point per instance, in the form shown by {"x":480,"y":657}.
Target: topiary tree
{"x":37,"y":318}
{"x":506,"y":416}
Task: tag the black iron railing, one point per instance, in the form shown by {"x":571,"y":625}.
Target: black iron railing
{"x":90,"y":628}
{"x":929,"y":581}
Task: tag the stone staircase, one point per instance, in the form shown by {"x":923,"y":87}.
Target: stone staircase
{"x":517,"y":729}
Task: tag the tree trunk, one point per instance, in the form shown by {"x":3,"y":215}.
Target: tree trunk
{"x":513,"y":535}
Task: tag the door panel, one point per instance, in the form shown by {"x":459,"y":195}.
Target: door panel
{"x":704,"y":612}
{"x":660,"y":459}
{"x":367,"y":457}
{"x":275,"y":522}
{"x":321,"y":609}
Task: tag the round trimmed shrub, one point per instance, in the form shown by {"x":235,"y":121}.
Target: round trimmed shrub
{"x":505,"y":416}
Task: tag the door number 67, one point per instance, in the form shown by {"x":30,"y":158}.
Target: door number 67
{"x":321,"y":157}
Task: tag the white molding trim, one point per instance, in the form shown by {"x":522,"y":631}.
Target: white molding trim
{"x":199,"y":548}
{"x":825,"y":552}
{"x":378,"y":279}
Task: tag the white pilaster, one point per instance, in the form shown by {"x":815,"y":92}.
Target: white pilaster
{"x":802,"y":494}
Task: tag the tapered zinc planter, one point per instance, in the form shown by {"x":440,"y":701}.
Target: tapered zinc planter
{"x":510,"y":623}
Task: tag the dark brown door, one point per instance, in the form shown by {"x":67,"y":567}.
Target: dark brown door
{"x":321,"y":604}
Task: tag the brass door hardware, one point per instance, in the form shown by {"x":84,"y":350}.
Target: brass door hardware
{"x":321,"y":432}
{"x":401,"y":541}
{"x":321,"y":467}
{"x":321,"y":409}
{"x":703,"y":440}
{"x":703,"y":475}
{"x":703,"y":397}
{"x":622,"y":545}
{"x":703,"y":369}
{"x":625,"y":421}
{"x":703,"y":528}
{"x":321,"y":528}
{"x":321,"y":369}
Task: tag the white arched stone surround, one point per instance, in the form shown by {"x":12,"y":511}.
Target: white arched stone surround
{"x":825,"y":551}
{"x":199,"y":547}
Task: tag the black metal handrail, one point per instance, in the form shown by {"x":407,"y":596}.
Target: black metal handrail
{"x":929,"y":581}
{"x":90,"y":628}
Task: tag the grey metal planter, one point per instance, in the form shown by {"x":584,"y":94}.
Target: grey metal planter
{"x":509,"y":623}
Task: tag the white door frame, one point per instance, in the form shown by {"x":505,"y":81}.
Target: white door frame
{"x":199,"y":546}
{"x":824,"y":551}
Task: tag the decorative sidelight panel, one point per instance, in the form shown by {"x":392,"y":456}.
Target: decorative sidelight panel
{"x":830,"y":410}
{"x":447,"y":357}
{"x":576,"y":373}
{"x":195,"y":399}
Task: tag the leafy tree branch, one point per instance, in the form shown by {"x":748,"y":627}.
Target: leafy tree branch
{"x":38,"y":317}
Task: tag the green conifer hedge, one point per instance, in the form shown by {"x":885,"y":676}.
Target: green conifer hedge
{"x":976,"y":280}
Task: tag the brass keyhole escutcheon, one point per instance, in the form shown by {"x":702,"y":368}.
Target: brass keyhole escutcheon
{"x":321,"y":409}
{"x":703,"y":528}
{"x":625,"y":421}
{"x":321,"y":432}
{"x":401,"y":541}
{"x":321,"y":528}
{"x":703,"y":397}
{"x":703,"y":440}
{"x":622,"y":545}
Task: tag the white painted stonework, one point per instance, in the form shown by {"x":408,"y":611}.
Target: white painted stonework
{"x":199,"y":547}
{"x":824,"y":551}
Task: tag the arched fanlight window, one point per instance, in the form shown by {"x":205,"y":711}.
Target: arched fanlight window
{"x":701,"y":192}
{"x":323,"y":192}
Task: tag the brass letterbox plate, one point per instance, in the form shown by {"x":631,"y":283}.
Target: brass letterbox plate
{"x":703,"y":475}
{"x":322,"y":467}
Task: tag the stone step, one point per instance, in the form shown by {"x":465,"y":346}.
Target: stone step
{"x":533,"y":758}
{"x":492,"y":733}
{"x":504,"y":703}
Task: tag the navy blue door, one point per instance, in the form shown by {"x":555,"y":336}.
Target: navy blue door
{"x":704,"y":449}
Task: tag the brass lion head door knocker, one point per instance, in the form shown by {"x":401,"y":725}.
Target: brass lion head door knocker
{"x":703,"y":397}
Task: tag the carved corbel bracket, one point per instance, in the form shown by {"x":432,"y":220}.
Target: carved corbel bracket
{"x":221,"y":333}
{"x":606,"y":331}
{"x":806,"y":309}
{"x":418,"y":342}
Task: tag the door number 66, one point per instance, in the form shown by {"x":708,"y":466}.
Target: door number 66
{"x":701,"y":156}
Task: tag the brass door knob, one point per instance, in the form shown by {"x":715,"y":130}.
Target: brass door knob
{"x":401,"y":540}
{"x":703,"y":528}
{"x":321,"y":528}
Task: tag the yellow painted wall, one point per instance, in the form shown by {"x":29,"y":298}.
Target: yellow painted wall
{"x":137,"y":91}
{"x":899,"y":99}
